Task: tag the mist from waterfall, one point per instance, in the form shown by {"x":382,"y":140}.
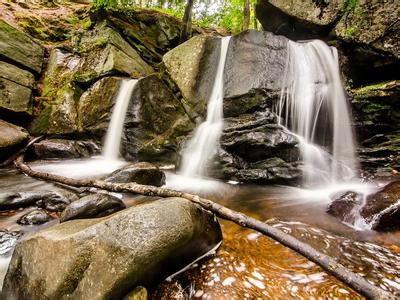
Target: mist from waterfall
{"x":204,"y":144}
{"x":112,"y":142}
{"x":313,"y":106}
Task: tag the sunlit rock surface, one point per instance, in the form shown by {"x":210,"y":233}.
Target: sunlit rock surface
{"x":109,"y":257}
{"x":11,"y":137}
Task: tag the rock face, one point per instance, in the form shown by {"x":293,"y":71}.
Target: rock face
{"x":20,"y":48}
{"x":58,"y":148}
{"x":381,"y":210}
{"x":141,"y":173}
{"x":11,"y":137}
{"x":137,"y":246}
{"x":92,"y":206}
{"x":253,"y":147}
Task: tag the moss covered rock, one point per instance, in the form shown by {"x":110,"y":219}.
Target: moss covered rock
{"x":20,"y":48}
{"x":138,"y":246}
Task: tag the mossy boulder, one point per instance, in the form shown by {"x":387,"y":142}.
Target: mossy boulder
{"x":105,"y":52}
{"x":56,"y":108}
{"x":137,"y":246}
{"x":20,"y":48}
{"x":11,"y":138}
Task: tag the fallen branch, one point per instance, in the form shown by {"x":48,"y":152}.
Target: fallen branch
{"x":21,"y":151}
{"x":329,"y":264}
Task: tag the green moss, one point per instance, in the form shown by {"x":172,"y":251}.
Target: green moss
{"x":86,"y":23}
{"x":350,"y":32}
{"x":367,"y":91}
{"x":101,"y":42}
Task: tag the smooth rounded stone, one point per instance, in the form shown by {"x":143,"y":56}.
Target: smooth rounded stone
{"x":11,"y":137}
{"x":51,"y":201}
{"x":96,"y":205}
{"x":141,"y":173}
{"x":8,"y":239}
{"x":58,"y":148}
{"x":35,"y":217}
{"x":56,"y":201}
{"x":380,"y":210}
{"x":108,"y":257}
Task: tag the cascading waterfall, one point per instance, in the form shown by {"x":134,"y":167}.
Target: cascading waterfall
{"x":114,"y":132}
{"x":202,"y":147}
{"x":313,"y":106}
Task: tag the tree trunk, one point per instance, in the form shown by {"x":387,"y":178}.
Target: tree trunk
{"x":187,"y":21}
{"x":255,"y":18}
{"x":246,"y":14}
{"x":329,"y":264}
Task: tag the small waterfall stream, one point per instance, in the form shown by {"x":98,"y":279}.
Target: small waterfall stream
{"x":202,"y":147}
{"x":112,"y":142}
{"x":313,"y":106}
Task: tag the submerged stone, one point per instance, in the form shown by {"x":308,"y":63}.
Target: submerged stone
{"x":141,"y":173}
{"x":35,"y":217}
{"x":92,"y":206}
{"x":137,"y":246}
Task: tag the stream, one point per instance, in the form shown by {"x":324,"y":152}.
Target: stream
{"x":249,"y":265}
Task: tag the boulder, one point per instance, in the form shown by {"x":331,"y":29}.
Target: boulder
{"x":20,"y":48}
{"x":59,"y":148}
{"x":56,"y":109}
{"x":137,"y":246}
{"x":380,"y":210}
{"x":51,"y":201}
{"x":35,"y":217}
{"x":192,"y":65}
{"x":141,"y":173}
{"x":92,"y":206}
{"x":105,"y":52}
{"x":17,"y":75}
{"x":8,"y":239}
{"x":11,"y":138}
{"x":15,"y":98}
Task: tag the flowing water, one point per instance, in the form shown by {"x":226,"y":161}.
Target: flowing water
{"x":202,"y":147}
{"x":313,"y":106}
{"x":114,"y":133}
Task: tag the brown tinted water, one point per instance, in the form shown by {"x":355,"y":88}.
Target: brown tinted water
{"x":249,"y":265}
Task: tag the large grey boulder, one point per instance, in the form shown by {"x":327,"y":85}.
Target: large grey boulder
{"x":20,"y":48}
{"x":11,"y":137}
{"x":107,"y":258}
{"x":60,"y":148}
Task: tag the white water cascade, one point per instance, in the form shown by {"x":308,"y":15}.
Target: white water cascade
{"x":202,"y":147}
{"x":313,"y":106}
{"x":114,"y":132}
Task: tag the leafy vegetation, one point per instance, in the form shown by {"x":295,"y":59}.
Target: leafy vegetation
{"x":205,"y":13}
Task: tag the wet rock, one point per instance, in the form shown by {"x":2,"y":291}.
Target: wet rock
{"x":35,"y":217}
{"x":56,"y":201}
{"x":105,"y":52}
{"x":16,"y":200}
{"x":58,"y":148}
{"x":20,"y":48}
{"x":137,"y":246}
{"x":51,"y":201}
{"x":57,"y":108}
{"x":95,"y":105}
{"x":8,"y":239}
{"x":92,"y":206}
{"x":141,"y":173}
{"x":381,"y":210}
{"x":11,"y":138}
{"x":17,"y":75}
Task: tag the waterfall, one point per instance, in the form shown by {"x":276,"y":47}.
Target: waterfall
{"x":313,"y":106}
{"x":114,"y":132}
{"x":203,"y":146}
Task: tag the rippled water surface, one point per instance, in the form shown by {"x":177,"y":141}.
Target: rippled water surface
{"x":249,"y":265}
